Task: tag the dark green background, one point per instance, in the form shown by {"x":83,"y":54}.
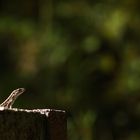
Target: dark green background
{"x":76,"y":55}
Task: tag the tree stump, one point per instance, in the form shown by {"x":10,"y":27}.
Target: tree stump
{"x":37,"y":124}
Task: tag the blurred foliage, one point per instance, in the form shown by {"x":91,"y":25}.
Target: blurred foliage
{"x":81,"y":56}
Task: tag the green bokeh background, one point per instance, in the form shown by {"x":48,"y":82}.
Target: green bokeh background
{"x":81,"y":56}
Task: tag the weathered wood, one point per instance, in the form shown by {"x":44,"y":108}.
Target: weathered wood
{"x":38,"y":124}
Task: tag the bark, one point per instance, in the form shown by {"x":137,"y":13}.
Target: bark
{"x":38,"y":124}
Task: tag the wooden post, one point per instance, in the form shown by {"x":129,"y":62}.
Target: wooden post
{"x":38,"y":124}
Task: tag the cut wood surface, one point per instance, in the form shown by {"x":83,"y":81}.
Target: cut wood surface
{"x":37,"y":124}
